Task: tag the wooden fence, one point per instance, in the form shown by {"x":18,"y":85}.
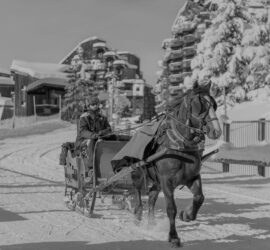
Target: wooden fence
{"x":24,"y":121}
{"x":242,"y":134}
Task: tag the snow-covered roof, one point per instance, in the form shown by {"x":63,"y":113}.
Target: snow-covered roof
{"x":120,"y":62}
{"x":4,"y":71}
{"x":123,"y":62}
{"x":179,"y":15}
{"x":126,"y":53}
{"x":110,"y":53}
{"x":52,"y":82}
{"x":41,"y":70}
{"x":99,"y":44}
{"x":6,"y":81}
{"x":78,"y":45}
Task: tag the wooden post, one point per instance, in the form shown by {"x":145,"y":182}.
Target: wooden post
{"x":261,"y":170}
{"x":128,"y":126}
{"x":60,"y":107}
{"x":14,"y":113}
{"x":225,"y":101}
{"x":261,"y":130}
{"x":226,"y":138}
{"x":35,"y":111}
{"x":261,"y":137}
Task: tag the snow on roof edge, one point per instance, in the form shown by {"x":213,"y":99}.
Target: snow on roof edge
{"x":5,"y":71}
{"x":39,"y":70}
{"x":126,"y":52}
{"x":80,"y":43}
{"x":179,"y":13}
{"x":6,"y":81}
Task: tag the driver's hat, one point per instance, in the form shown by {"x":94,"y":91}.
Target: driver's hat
{"x":94,"y":101}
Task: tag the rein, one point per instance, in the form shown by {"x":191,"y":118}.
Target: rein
{"x":175,"y":135}
{"x":119,"y":131}
{"x":183,"y":124}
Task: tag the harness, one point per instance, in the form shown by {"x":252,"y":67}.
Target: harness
{"x":172,"y":126}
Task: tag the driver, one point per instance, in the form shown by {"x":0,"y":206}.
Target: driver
{"x":92,"y":125}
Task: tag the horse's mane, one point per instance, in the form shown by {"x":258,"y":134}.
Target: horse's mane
{"x":177,"y":100}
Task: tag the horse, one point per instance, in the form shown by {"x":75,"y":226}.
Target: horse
{"x":184,"y":125}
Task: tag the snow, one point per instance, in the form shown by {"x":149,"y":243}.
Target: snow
{"x":257,"y":108}
{"x":32,"y":194}
{"x":250,"y":153}
{"x":79,"y":45}
{"x":123,"y":62}
{"x":99,"y":44}
{"x":40,"y":70}
{"x":6,"y":81}
{"x":110,"y":53}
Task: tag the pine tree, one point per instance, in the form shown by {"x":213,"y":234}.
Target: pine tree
{"x":256,"y":53}
{"x":217,"y":58}
{"x":78,"y":94}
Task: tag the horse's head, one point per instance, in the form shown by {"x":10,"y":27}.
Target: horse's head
{"x":203,"y":112}
{"x":193,"y":115}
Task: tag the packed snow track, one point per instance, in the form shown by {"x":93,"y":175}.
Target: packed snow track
{"x":34,"y":216}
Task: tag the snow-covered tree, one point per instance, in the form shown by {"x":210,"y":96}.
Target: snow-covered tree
{"x":217,"y":53}
{"x":256,"y":53}
{"x":77,"y":97}
{"x":122,"y":104}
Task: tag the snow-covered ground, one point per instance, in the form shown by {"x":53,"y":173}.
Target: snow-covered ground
{"x":257,"y":108}
{"x":33,"y":215}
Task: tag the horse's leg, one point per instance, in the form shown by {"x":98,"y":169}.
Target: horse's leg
{"x":168,"y":191}
{"x":191,"y":211}
{"x":153,"y":195}
{"x":137,"y":178}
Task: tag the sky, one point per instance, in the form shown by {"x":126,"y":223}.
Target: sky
{"x":47,"y":30}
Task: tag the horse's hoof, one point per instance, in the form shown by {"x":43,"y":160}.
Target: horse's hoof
{"x":174,"y":242}
{"x":184,"y":217}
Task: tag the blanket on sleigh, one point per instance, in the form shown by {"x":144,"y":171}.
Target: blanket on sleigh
{"x":137,"y":148}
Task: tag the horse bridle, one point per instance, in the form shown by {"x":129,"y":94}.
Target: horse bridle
{"x":197,"y":132}
{"x":203,"y":120}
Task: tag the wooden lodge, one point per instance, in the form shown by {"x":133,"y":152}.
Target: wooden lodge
{"x":39,"y":87}
{"x":6,"y":86}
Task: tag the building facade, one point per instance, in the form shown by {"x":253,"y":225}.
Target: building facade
{"x":6,"y":86}
{"x":112,"y":74}
{"x":39,"y":87}
{"x":187,"y":30}
{"x":6,"y":94}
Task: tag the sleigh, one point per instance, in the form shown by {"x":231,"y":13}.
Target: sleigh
{"x":83,"y":186}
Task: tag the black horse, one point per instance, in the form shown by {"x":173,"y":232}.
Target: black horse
{"x":185,"y":123}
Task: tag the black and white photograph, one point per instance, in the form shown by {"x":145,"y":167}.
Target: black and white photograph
{"x":134,"y":124}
